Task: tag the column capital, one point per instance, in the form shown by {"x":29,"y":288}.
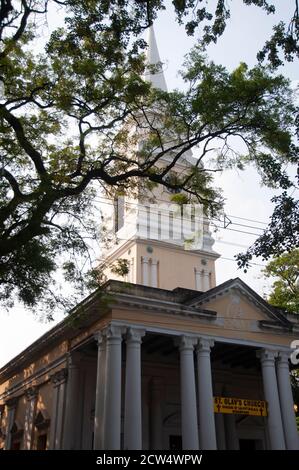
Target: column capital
{"x":198,"y":270}
{"x":204,"y":345}
{"x":267,"y":356}
{"x":144,"y":259}
{"x":283,"y":359}
{"x":31,"y":393}
{"x":12,"y":402}
{"x":59,"y":377}
{"x":99,"y":338}
{"x":154,"y":261}
{"x":134,"y":335}
{"x":114,"y":332}
{"x":73,"y":358}
{"x":185,"y":343}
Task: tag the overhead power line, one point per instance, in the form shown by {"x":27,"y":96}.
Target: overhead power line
{"x":206,"y":219}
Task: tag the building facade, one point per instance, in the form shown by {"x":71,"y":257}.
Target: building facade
{"x":165,"y":360}
{"x":141,"y":368}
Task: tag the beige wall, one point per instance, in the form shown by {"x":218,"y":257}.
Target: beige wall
{"x":176,"y":266}
{"x":237,"y":319}
{"x":34,"y":367}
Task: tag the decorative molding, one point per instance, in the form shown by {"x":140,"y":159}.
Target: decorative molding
{"x":31,"y":393}
{"x":100,"y":339}
{"x":204,"y":345}
{"x":33,"y":378}
{"x":113,"y":332}
{"x":185,"y":343}
{"x":161,"y":306}
{"x":12,"y":402}
{"x":273,"y":326}
{"x":59,"y":377}
{"x":73,"y":359}
{"x":134,"y":335}
{"x":267,"y":356}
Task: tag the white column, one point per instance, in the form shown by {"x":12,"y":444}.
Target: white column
{"x":133,"y":424}
{"x":11,"y":412}
{"x":98,"y":443}
{"x":156,"y":417}
{"x":72,"y":414}
{"x":207,"y":431}
{"x":198,"y":279}
{"x":144,"y":265}
{"x":206,"y":280}
{"x":31,"y":395}
{"x":188,"y":394}
{"x":154,"y":273}
{"x":287,"y":402}
{"x":220,"y":431}
{"x":232,"y":441}
{"x":274,"y":421}
{"x":112,"y":413}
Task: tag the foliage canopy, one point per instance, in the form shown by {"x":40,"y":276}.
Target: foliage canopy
{"x":285,"y":291}
{"x":73,"y":111}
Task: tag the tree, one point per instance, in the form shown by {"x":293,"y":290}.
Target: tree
{"x":285,"y":269}
{"x":66,"y":120}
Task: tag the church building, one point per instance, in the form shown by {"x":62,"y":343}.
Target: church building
{"x":163,"y":359}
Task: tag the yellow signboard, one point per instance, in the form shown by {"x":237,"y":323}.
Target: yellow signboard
{"x":240,"y":406}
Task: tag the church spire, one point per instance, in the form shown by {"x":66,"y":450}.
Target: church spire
{"x":152,"y":58}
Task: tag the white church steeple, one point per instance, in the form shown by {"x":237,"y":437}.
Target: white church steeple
{"x":151,"y":235}
{"x":153,"y":58}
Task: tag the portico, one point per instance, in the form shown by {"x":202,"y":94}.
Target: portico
{"x":197,"y":422}
{"x":143,"y":375}
{"x":155,"y":386}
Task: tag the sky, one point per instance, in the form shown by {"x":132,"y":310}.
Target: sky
{"x":247,"y":203}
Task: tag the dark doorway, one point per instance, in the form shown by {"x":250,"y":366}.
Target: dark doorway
{"x":41,"y":442}
{"x":175,"y":443}
{"x":15,"y":445}
{"x":247,"y":444}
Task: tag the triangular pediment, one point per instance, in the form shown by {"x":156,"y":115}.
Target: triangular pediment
{"x":236,"y":303}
